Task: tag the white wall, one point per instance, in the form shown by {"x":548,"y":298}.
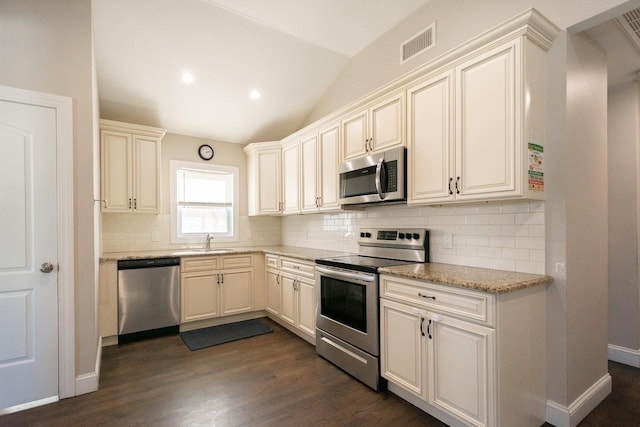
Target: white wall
{"x":499,"y":235}
{"x":624,"y":286}
{"x":47,"y":47}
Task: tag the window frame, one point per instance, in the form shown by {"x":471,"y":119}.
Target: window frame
{"x":175,"y":165}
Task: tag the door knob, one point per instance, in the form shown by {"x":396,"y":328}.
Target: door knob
{"x":46,"y":267}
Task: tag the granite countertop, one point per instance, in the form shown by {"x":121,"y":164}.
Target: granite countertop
{"x":307,"y":254}
{"x":481,"y":279}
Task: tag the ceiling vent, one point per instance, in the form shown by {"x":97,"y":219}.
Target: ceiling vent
{"x":630,"y":23}
{"x":421,"y":42}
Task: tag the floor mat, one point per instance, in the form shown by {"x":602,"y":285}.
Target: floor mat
{"x":214,"y":335}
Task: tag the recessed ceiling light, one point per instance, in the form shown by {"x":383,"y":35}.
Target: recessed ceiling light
{"x":187,"y":78}
{"x":255,"y":94}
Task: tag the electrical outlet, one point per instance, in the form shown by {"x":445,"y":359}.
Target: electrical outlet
{"x":447,"y":240}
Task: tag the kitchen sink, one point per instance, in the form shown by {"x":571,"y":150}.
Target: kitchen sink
{"x":194,"y":251}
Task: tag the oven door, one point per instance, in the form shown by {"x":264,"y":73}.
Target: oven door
{"x":347,"y":306}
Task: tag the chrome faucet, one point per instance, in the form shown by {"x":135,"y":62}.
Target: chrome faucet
{"x":207,"y":242}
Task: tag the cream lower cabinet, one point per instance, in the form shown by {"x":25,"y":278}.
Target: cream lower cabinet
{"x":291,"y":294}
{"x":108,"y":299}
{"x":439,"y":349}
{"x":215,"y":286}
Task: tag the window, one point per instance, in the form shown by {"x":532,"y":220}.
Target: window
{"x":204,"y":200}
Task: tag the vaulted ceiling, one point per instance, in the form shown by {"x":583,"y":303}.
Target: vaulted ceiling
{"x":288,"y":50}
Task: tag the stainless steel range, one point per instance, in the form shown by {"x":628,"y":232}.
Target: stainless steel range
{"x":347,"y":325}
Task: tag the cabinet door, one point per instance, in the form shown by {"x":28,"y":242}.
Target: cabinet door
{"x":328,"y":162}
{"x":268,"y":182}
{"x":354,"y":136}
{"x":488,"y":128}
{"x":402,"y":351}
{"x":387,"y":123}
{"x":116,"y":167}
{"x":199,"y":296}
{"x":288,"y":302}
{"x":146,"y":174}
{"x":306,"y":310}
{"x":273,"y":292}
{"x":291,"y":178}
{"x":430,"y":145}
{"x":461,"y":369}
{"x":309,"y":149}
{"x":236,"y":291}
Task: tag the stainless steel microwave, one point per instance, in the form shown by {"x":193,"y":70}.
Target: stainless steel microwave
{"x":376,"y":178}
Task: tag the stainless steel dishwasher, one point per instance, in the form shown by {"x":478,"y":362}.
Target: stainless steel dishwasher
{"x":148,"y":298}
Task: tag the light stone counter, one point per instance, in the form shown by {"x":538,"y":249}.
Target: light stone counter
{"x":480,"y":279}
{"x":307,"y":254}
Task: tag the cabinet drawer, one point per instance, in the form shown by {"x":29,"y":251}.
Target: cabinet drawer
{"x":236,"y":261}
{"x":462,"y":303}
{"x":297,"y":267}
{"x":199,"y":263}
{"x":272,"y":261}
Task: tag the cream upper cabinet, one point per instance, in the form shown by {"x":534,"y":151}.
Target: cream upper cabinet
{"x":265,"y":178}
{"x":320,"y":161}
{"x":291,"y":178}
{"x":130,"y":167}
{"x":430,"y":148}
{"x":474,"y":132}
{"x":378,"y":127}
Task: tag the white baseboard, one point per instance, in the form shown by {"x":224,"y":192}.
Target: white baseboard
{"x":624,"y":355}
{"x":88,"y":383}
{"x":562,"y":416}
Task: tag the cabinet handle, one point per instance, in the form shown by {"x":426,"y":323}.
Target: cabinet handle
{"x":421,"y":324}
{"x":457,"y":188}
{"x":420,"y":294}
{"x":129,"y":203}
{"x":135,"y":203}
{"x":450,"y":181}
{"x":295,"y":285}
{"x":428,"y":329}
{"x":278,"y":279}
{"x":222,"y":278}
{"x":218,"y":279}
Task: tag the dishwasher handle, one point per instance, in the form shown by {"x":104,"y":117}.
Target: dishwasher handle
{"x":131,"y":264}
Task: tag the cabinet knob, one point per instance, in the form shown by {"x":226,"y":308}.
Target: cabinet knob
{"x":457,"y":187}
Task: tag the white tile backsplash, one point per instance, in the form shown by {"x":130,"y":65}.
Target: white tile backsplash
{"x":500,"y":235}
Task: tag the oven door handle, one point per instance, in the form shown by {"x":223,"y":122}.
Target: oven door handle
{"x":360,"y":277}
{"x":379,"y":172}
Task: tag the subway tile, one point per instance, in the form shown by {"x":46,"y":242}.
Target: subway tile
{"x":502,"y":219}
{"x":516,"y":254}
{"x":529,"y":243}
{"x":533,"y":218}
{"x":530,"y":267}
{"x":515,"y":207}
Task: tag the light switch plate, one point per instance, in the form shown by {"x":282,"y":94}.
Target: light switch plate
{"x":447,"y":240}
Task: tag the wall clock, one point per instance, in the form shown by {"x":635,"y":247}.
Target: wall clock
{"x":205,"y":152}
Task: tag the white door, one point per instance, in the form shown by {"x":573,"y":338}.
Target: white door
{"x":28,"y":226}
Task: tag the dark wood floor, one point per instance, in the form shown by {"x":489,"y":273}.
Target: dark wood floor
{"x":270,"y":380}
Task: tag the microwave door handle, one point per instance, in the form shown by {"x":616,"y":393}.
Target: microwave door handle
{"x":379,"y":172}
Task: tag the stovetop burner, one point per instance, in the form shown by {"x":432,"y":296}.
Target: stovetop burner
{"x":360,"y":263}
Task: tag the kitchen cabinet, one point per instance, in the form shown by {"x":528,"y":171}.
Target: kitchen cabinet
{"x":320,"y":160}
{"x":216,"y":286}
{"x":272,"y":281}
{"x":264,"y":162}
{"x":291,"y":295}
{"x":291,"y":177}
{"x":493,"y":149}
{"x":108,"y":301}
{"x":439,"y":348}
{"x":130,"y":167}
{"x":378,"y":127}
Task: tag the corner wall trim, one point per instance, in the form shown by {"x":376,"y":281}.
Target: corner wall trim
{"x":88,"y":383}
{"x":626,"y":356}
{"x":562,"y":416}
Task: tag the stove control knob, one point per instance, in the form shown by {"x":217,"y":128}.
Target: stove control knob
{"x":416,"y":236}
{"x":361,"y":234}
{"x":401,"y":236}
{"x":367,"y":235}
